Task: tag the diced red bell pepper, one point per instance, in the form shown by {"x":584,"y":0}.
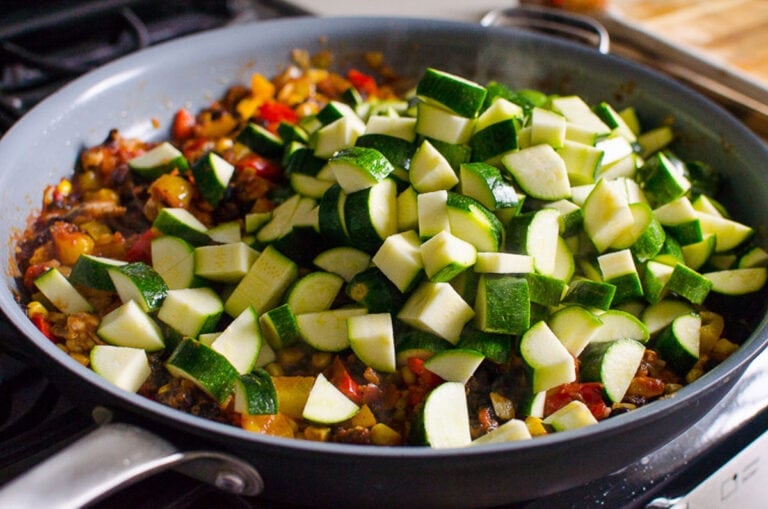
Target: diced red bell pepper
{"x":426,"y":381}
{"x":41,"y":322}
{"x":589,"y":393}
{"x":273,"y":112}
{"x":262,"y":167}
{"x":430,"y":379}
{"x":35,"y":271}
{"x":364,"y":83}
{"x":183,"y":125}
{"x":141,"y":250}
{"x":343,"y":381}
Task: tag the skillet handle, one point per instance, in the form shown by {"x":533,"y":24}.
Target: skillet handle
{"x":114,"y":456}
{"x":545,"y":19}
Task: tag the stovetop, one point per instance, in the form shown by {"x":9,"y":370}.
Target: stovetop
{"x":39,"y":53}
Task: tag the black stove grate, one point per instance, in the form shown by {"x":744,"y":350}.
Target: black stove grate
{"x":35,"y":420}
{"x":40,"y":53}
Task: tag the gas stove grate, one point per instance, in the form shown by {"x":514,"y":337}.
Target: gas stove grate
{"x":35,"y":420}
{"x":39,"y":54}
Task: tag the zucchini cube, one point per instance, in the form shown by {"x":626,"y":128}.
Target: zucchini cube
{"x":445,"y":256}
{"x":437,"y":308}
{"x":399,"y":258}
{"x":191,"y":311}
{"x":502,"y":304}
{"x":547,"y":361}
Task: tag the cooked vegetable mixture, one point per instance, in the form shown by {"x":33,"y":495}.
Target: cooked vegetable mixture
{"x":319,"y":256}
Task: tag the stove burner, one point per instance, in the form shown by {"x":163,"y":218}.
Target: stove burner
{"x":35,"y":420}
{"x":39,"y":54}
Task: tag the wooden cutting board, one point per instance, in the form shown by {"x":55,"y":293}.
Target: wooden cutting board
{"x":728,"y":33}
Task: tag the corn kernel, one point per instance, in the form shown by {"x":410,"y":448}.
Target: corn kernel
{"x":712,"y":325}
{"x":407,"y":375}
{"x":321,"y":359}
{"x":289,"y":356}
{"x":223,"y":144}
{"x":81,"y":358}
{"x":35,"y":308}
{"x":103,"y":194}
{"x":64,"y":187}
{"x":88,"y":181}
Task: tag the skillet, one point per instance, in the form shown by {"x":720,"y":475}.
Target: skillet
{"x":147,"y":87}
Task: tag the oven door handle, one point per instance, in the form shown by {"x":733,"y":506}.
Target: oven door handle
{"x":114,"y":456}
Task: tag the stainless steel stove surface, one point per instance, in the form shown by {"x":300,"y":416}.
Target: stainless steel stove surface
{"x":40,"y":53}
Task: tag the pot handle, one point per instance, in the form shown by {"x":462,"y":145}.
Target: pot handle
{"x":113,"y":456}
{"x":544,"y":19}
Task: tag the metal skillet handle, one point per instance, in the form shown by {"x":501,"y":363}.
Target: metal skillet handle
{"x":114,"y":456}
{"x":544,"y":19}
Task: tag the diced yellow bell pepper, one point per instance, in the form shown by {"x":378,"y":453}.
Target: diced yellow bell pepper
{"x":381,"y":434}
{"x":535,"y":426}
{"x":292,"y":393}
{"x":364,"y":418}
{"x":279,"y":425}
{"x":317,"y":433}
{"x":261,"y":87}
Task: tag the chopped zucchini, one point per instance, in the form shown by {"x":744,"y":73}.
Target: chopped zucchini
{"x":264,"y":284}
{"x":139,"y":282}
{"x":539,"y":171}
{"x":444,"y":418}
{"x":128,"y":325}
{"x":127,"y":368}
{"x":212,"y":175}
{"x":371,"y":337}
{"x":255,"y":394}
{"x":91,"y":271}
{"x":613,"y":364}
{"x":160,"y":159}
{"x":315,"y":291}
{"x":548,"y":363}
{"x":191,"y":311}
{"x":502,"y":304}
{"x":679,"y":342}
{"x":445,"y":256}
{"x":241,"y":341}
{"x":438,"y":309}
{"x":328,"y":405}
{"x":60,"y":292}
{"x":204,"y":367}
{"x":181,"y":223}
{"x":455,"y":364}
